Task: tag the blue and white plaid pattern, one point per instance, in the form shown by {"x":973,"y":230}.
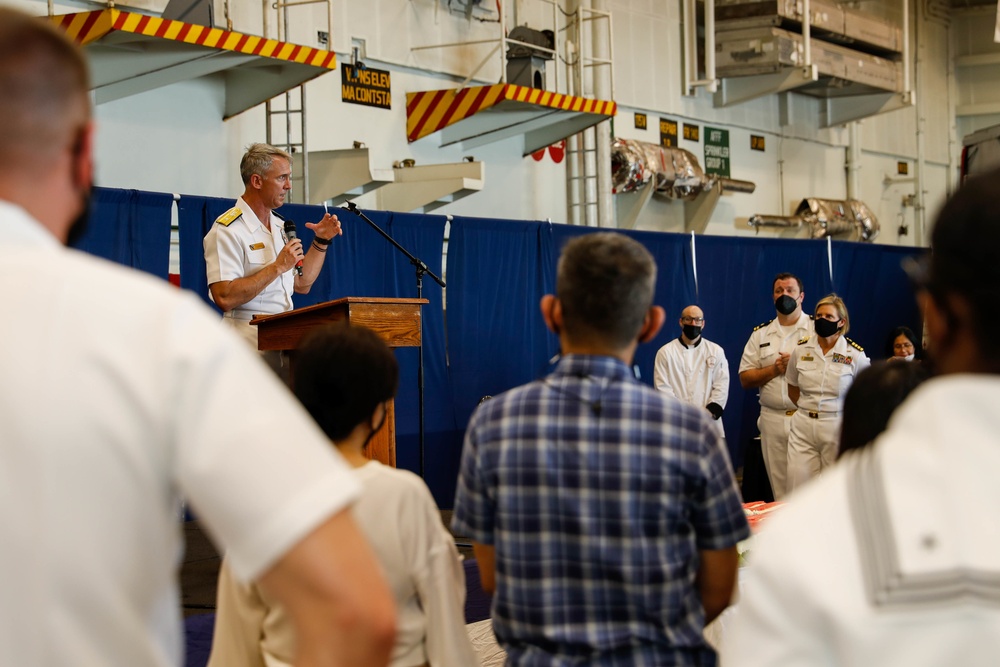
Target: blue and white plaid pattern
{"x":597,"y":493}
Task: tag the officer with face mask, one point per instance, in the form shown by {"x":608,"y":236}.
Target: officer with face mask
{"x":694,"y":369}
{"x":820,"y":371}
{"x":763,"y":365}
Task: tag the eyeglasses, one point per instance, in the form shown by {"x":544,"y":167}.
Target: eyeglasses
{"x":693,"y":320}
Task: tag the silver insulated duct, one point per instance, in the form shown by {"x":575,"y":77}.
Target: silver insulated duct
{"x":675,"y":171}
{"x":847,"y":218}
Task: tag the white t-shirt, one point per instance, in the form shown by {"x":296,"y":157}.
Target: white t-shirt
{"x":418,"y":557}
{"x":120,"y":396}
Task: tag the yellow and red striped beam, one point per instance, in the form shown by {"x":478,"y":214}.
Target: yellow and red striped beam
{"x":431,"y":110}
{"x":86,"y":27}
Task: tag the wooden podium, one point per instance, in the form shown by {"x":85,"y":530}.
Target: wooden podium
{"x":396,"y":321}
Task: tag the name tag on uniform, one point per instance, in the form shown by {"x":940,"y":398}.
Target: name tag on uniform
{"x":765,"y":344}
{"x":256,"y":246}
{"x":842,"y":359}
{"x":807,"y":358}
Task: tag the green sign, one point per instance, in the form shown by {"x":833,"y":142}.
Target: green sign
{"x":717,"y":151}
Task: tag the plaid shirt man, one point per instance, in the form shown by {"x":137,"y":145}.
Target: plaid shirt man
{"x":597,"y":493}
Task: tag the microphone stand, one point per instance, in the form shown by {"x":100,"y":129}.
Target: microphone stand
{"x":421,"y":269}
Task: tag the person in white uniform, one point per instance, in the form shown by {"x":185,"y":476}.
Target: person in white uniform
{"x":890,"y":558}
{"x":820,"y":371}
{"x":249,"y":259}
{"x":344,"y":376}
{"x":122,"y":395}
{"x":763,"y":366}
{"x":693,"y":368}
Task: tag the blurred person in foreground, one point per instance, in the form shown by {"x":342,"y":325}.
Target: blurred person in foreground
{"x":603,"y":513}
{"x":121,"y":396}
{"x":345,"y":376}
{"x":890,"y":558}
{"x":873,"y":398}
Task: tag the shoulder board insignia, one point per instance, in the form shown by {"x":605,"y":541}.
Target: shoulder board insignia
{"x":762,"y":325}
{"x":804,"y":340}
{"x":227,"y":218}
{"x":854,"y":345}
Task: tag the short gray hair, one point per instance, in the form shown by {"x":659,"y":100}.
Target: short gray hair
{"x":605,"y":284}
{"x":258,"y":160}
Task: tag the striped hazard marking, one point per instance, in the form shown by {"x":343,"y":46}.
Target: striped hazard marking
{"x":86,"y":27}
{"x":429,"y":111}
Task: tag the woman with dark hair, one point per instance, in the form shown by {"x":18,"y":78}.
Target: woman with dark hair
{"x":874,"y":396}
{"x":902,"y":345}
{"x":345,"y":376}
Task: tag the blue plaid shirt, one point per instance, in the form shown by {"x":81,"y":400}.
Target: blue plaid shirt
{"x":597,"y":493}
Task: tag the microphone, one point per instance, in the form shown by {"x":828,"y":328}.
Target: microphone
{"x":290,"y":233}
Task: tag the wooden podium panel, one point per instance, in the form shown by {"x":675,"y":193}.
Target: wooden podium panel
{"x":396,"y":321}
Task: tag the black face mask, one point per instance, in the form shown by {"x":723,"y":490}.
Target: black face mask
{"x":826,"y":328}
{"x":691,"y":331}
{"x":785,"y":304}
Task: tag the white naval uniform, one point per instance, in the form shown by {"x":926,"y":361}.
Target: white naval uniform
{"x":776,"y":409}
{"x":121,"y":394}
{"x":697,"y":375}
{"x":823,"y":381}
{"x":237,"y":246}
{"x":889,"y":558}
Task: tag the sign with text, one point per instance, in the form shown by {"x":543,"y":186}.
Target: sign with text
{"x":717,"y":151}
{"x":366,"y":86}
{"x":668,"y":133}
{"x":692,"y":132}
{"x":640,"y":121}
{"x":757,"y":143}
{"x":903,"y":168}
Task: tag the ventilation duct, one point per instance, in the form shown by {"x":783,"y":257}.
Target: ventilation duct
{"x":675,"y":172}
{"x":826,"y":218}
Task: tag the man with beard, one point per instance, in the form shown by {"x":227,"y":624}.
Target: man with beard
{"x":693,"y":368}
{"x":122,"y":395}
{"x":763,"y":365}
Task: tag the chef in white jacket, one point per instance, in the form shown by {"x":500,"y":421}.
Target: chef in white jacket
{"x":694,"y":369}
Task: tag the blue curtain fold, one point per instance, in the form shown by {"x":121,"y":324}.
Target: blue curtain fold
{"x":498,"y":271}
{"x":130,"y":227}
{"x":878,"y":295}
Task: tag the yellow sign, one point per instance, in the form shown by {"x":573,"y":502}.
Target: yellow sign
{"x":668,"y":133}
{"x":692,"y":132}
{"x":756,"y":142}
{"x":366,"y":86}
{"x":640,"y":121}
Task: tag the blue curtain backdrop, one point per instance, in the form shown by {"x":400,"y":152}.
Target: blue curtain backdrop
{"x":494,"y":338}
{"x":130,"y":227}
